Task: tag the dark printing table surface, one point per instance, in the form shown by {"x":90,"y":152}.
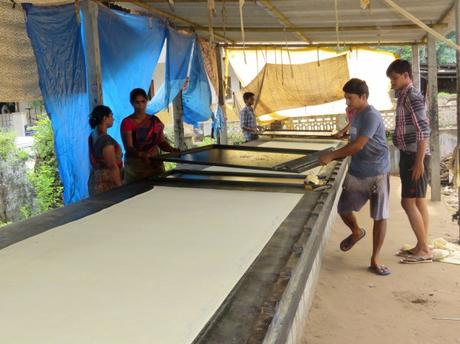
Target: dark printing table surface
{"x":260,"y":158}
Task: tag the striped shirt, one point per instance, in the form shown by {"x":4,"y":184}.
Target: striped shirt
{"x":412,"y":123}
{"x":248,"y":120}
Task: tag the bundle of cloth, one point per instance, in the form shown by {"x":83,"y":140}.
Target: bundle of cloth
{"x":443,"y":251}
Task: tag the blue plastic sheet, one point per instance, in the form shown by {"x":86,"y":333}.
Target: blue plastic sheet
{"x":130,"y":47}
{"x":56,"y":40}
{"x":217,"y":122}
{"x":196,"y":99}
{"x":178,"y":53}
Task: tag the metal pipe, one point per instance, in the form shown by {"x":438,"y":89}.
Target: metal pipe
{"x":315,"y":45}
{"x":457,"y":31}
{"x":307,"y":29}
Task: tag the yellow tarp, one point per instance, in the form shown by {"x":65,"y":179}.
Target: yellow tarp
{"x":363,"y":63}
{"x":280,"y":87}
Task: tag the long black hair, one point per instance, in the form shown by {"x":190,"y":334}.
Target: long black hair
{"x":98,"y":114}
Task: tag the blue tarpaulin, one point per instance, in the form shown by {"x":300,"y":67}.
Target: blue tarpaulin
{"x":57,"y":43}
{"x":196,"y":99}
{"x":178,"y":52}
{"x":130,"y":47}
{"x":217,"y":122}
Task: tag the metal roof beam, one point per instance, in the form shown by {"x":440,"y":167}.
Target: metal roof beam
{"x":327,"y":29}
{"x":174,"y":18}
{"x":333,"y":44}
{"x":184,"y":1}
{"x":270,"y":8}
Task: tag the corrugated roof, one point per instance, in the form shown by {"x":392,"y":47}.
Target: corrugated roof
{"x":311,"y":16}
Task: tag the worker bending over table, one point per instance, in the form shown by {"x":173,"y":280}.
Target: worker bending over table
{"x":368,"y":173}
{"x":143,"y":138}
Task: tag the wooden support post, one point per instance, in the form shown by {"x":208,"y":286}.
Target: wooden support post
{"x":434,"y":120}
{"x":178,"y":120}
{"x":457,"y":30}
{"x":93,"y":57}
{"x":222,"y":138}
{"x":416,"y":66}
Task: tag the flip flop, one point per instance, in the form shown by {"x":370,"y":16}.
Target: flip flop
{"x":404,"y":253}
{"x":380,"y":270}
{"x":416,"y":260}
{"x":348,"y":242}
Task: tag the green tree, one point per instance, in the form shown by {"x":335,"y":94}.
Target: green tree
{"x":404,"y":52}
{"x":15,"y":190}
{"x":45,"y":177}
{"x":445,"y":53}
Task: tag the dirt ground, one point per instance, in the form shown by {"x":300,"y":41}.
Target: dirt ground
{"x":353,"y":306}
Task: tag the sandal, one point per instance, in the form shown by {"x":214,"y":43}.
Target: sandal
{"x":416,"y":260}
{"x":404,"y":253}
{"x":349,"y":242}
{"x":380,"y":270}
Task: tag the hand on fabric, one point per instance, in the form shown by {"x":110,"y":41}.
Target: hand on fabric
{"x":417,"y":171}
{"x":326,"y":159}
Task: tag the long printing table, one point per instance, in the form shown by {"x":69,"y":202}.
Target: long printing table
{"x":217,"y":256}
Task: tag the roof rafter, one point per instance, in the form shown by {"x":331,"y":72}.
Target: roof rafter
{"x":273,"y":10}
{"x":175,"y":18}
{"x":327,"y":29}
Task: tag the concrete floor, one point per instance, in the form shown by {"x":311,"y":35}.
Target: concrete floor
{"x":352,"y":305}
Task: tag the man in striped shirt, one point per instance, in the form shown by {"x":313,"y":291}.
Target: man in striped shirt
{"x":248,"y":119}
{"x":411,"y":137}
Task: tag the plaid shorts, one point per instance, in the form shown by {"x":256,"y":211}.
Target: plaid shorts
{"x":357,"y":191}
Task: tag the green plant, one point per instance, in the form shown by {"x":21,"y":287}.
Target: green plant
{"x":3,"y":224}
{"x":14,"y":186}
{"x":445,"y":94}
{"x":169,"y":165}
{"x":235,"y":138}
{"x":45,"y":177}
{"x":207,"y":140}
{"x":8,"y":149}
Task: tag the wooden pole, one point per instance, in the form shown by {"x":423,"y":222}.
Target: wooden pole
{"x":434,"y":120}
{"x":416,"y":66}
{"x":178,"y":119}
{"x":93,"y":57}
{"x":457,"y":30}
{"x":222,"y":137}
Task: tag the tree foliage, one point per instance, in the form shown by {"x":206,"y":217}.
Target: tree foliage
{"x":15,"y":191}
{"x":45,"y":177}
{"x":445,"y":53}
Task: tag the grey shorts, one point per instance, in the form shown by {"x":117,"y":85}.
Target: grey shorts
{"x":357,"y":191}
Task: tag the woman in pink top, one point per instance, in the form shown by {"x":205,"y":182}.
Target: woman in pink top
{"x":143,"y":138}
